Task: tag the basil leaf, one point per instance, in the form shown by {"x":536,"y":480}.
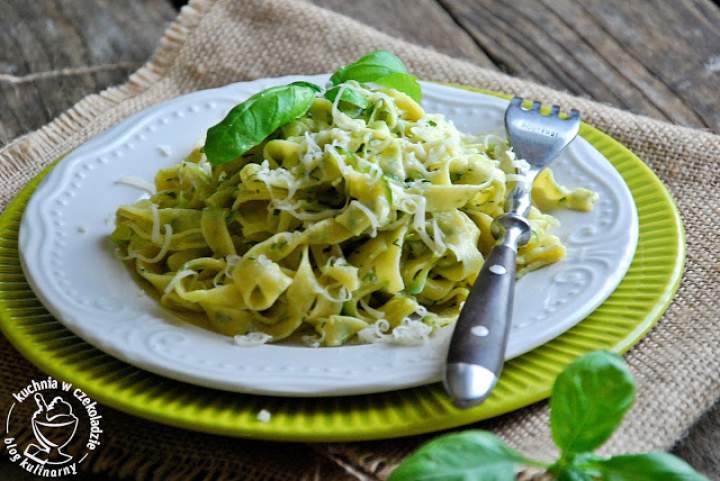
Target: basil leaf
{"x":369,"y":68}
{"x":252,"y":121}
{"x":589,"y":399}
{"x":349,"y":96}
{"x":402,"y":82}
{"x":310,"y":85}
{"x":572,"y":473}
{"x":647,"y":467}
{"x":466,"y":456}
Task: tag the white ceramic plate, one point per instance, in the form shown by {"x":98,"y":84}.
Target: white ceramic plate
{"x":69,"y":262}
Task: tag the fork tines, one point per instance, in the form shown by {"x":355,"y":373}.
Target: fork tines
{"x":537,"y":105}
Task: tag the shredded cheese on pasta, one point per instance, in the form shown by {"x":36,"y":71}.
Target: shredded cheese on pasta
{"x":342,"y":227}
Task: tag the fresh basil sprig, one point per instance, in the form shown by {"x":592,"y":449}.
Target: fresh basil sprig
{"x":589,"y":400}
{"x":369,"y":68}
{"x":252,"y":121}
{"x":382,"y":68}
{"x":248,"y":124}
{"x":459,"y":457}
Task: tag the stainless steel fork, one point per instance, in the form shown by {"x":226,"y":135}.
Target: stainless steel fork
{"x":477,"y":349}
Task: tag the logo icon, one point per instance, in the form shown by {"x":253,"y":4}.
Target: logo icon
{"x":54,"y":426}
{"x":51,"y":427}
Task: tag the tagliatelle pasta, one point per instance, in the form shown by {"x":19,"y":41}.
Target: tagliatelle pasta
{"x":344,"y":226}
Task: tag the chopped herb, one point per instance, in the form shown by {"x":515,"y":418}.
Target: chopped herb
{"x":370,"y":276}
{"x":279,"y":244}
{"x":432,"y":123}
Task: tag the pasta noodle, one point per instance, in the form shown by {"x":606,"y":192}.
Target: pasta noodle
{"x":338,"y":228}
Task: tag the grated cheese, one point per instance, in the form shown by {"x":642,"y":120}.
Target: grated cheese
{"x":155,"y":232}
{"x":264,"y":416}
{"x":165,"y":150}
{"x":163,"y":249}
{"x":370,"y":215}
{"x":252,"y":339}
{"x":175,"y":281}
{"x":138,"y":183}
{"x":370,"y":310}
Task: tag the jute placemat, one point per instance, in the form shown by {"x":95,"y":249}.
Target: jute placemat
{"x":217,"y":42}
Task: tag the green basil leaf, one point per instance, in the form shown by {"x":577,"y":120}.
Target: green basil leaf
{"x":589,"y":399}
{"x":402,"y":82}
{"x":647,"y":467}
{"x":572,"y":473}
{"x":466,"y":456}
{"x":369,"y":68}
{"x":349,"y":96}
{"x":252,"y":121}
{"x":309,"y":85}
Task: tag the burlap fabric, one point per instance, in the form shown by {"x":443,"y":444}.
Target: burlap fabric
{"x":216,"y":42}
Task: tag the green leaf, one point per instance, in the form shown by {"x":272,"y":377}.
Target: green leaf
{"x":402,"y":82}
{"x":349,"y":96}
{"x":252,"y":121}
{"x":310,"y":85}
{"x":369,"y":68}
{"x":589,"y":399}
{"x":647,"y":467}
{"x":467,"y":456}
{"x":572,"y":473}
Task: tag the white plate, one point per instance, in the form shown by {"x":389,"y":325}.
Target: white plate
{"x":69,"y":262}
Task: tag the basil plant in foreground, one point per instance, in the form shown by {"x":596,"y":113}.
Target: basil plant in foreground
{"x":589,"y":400}
{"x":248,"y":124}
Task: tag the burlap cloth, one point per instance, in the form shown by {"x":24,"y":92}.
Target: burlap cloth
{"x":217,"y":42}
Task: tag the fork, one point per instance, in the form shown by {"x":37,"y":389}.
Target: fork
{"x":477,"y":348}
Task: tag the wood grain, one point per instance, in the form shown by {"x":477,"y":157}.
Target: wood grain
{"x":678,"y":46}
{"x":655,"y":57}
{"x":422,"y":22}
{"x":53,"y":53}
{"x":701,"y":446}
{"x":612,"y":51}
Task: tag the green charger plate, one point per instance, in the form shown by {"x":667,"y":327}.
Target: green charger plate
{"x":620,"y":322}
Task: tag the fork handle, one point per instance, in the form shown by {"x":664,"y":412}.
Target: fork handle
{"x":477,"y":348}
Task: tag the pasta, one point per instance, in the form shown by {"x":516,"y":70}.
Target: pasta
{"x":341,"y":227}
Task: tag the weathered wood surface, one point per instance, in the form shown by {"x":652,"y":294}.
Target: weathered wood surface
{"x":656,"y":57}
{"x":53,"y":53}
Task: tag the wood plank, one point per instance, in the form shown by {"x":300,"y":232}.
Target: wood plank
{"x":54,"y":52}
{"x":700,"y":446}
{"x":422,"y":22}
{"x":614,"y":51}
{"x":679,"y":44}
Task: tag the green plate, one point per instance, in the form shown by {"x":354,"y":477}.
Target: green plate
{"x":620,"y":322}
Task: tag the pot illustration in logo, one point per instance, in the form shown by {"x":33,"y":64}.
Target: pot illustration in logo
{"x":54,"y":426}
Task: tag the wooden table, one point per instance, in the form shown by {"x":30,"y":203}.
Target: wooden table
{"x":655,"y":57}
